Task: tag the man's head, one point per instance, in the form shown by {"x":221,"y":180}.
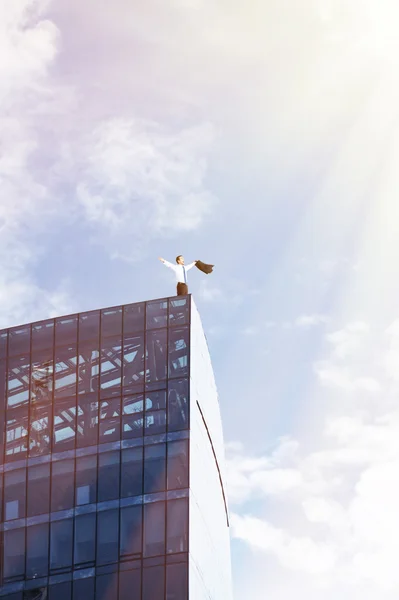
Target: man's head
{"x":180,"y":259}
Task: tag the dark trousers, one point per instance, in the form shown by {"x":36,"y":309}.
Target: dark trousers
{"x":182,"y":289}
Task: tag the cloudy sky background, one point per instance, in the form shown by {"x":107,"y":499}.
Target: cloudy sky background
{"x":261,"y":136}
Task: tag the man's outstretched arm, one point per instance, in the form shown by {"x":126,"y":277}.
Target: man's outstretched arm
{"x":191,"y":265}
{"x":167,"y":263}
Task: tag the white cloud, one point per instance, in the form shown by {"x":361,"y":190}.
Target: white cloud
{"x":376,"y":522}
{"x":209,"y":292}
{"x":310,"y":320}
{"x":138,"y":180}
{"x":303,"y":322}
{"x":22,"y":300}
{"x":353,"y":366}
{"x":347,"y":341}
{"x":390,"y":359}
{"x":28,"y":47}
{"x":325,"y":510}
{"x":340,"y":504}
{"x":332,"y":375}
{"x":294,"y":553}
{"x":255,"y":477}
{"x":332,"y":495}
{"x":276,"y":481}
{"x":249,"y":331}
{"x":216,"y":331}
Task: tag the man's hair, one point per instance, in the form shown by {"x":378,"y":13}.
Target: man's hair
{"x":177,"y":257}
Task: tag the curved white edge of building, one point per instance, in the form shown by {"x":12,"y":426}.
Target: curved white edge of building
{"x":209,"y":550}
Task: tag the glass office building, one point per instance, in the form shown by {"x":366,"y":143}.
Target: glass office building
{"x":111,"y":458}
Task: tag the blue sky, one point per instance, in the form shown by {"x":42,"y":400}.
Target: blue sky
{"x":262,"y":137}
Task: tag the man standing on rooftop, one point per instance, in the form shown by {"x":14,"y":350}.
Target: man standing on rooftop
{"x":180,"y":270}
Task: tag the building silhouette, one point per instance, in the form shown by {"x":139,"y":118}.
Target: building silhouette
{"x":111,"y":452}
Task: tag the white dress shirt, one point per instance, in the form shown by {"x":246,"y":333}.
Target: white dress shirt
{"x":180,"y":270}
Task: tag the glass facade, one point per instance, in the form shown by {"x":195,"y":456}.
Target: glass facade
{"x":95,"y":455}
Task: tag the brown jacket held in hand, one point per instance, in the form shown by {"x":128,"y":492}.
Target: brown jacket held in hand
{"x":204,"y":267}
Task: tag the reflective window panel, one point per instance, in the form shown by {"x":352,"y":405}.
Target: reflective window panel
{"x":154,"y":529}
{"x":62,"y":485}
{"x":14,"y":553}
{"x":89,"y":326}
{"x":66,"y":330}
{"x":43,"y":335}
{"x":178,"y":417}
{"x":177,"y":582}
{"x":131,"y":530}
{"x":17,"y":429}
{"x":18,"y":381}
{"x":132,"y":472}
{"x":153,"y":583}
{"x":111,"y":321}
{"x":177,"y":469}
{"x":179,"y":311}
{"x":19,"y":340}
{"x":155,"y":412}
{"x":3,"y":344}
{"x":86,"y":480}
{"x":177,"y":525}
{"x":60,"y":591}
{"x":64,"y":428}
{"x":156,"y":356}
{"x":87,"y":420}
{"x":157,"y":314}
{"x":88,"y":367}
{"x":107,"y":586}
{"x":107,"y":537}
{"x":178,"y":352}
{"x":38,"y":490}
{"x":111,"y":367}
{"x":37,"y":543}
{"x":154,"y":468}
{"x":130,"y":585}
{"x":110,"y":420}
{"x":83,"y":589}
{"x":85,"y":540}
{"x":14,"y":494}
{"x":108,"y":476}
{"x":65,"y":371}
{"x":133,"y":416}
{"x":61,"y":544}
{"x":133,"y":372}
{"x":133,"y":318}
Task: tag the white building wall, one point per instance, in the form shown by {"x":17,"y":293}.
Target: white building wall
{"x":209,"y":566}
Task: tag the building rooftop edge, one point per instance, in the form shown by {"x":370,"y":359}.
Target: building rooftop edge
{"x":92,"y":310}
